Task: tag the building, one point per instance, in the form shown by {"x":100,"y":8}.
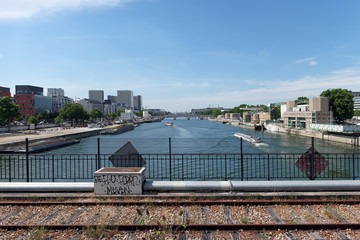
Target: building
{"x":58,"y":98}
{"x":31,"y":100}
{"x":90,"y":105}
{"x":97,"y":95}
{"x":126,"y":97}
{"x":302,"y":115}
{"x":5,"y":92}
{"x":128,"y":115}
{"x":27,"y":89}
{"x":112,"y":99}
{"x":137,"y":103}
{"x":356,"y":100}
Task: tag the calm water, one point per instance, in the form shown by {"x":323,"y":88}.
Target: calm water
{"x":200,"y":136}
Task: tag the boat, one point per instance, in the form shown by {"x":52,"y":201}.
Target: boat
{"x":169,"y":124}
{"x":248,"y":138}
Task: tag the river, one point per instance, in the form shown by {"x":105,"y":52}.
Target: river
{"x":200,"y":136}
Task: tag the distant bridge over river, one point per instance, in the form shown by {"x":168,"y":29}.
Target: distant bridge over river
{"x":185,"y":115}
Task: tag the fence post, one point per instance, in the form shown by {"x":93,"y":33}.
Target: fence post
{"x":353,"y":166}
{"x":9,"y":168}
{"x":312,"y":162}
{"x":53,"y":168}
{"x":170,"y":156}
{"x":98,"y":154}
{"x":226,"y":177}
{"x":242,"y":159}
{"x":27,"y":160}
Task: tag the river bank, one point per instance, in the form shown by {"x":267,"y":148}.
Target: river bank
{"x":323,"y":135}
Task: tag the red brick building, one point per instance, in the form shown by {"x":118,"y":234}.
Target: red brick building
{"x":5,"y":92}
{"x":26,"y":104}
{"x":31,"y":100}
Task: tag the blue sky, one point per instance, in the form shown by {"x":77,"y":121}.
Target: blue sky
{"x":182,"y":54}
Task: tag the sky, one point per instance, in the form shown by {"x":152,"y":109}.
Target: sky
{"x":182,"y":54}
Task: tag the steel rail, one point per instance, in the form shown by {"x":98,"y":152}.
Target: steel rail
{"x":199,"y":202}
{"x":193,"y":227}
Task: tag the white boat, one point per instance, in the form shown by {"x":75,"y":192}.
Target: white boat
{"x":248,"y":138}
{"x":169,"y":124}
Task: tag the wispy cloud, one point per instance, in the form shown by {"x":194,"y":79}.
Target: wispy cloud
{"x":309,"y":61}
{"x":1,"y":55}
{"x":18,"y":9}
{"x":268,"y":91}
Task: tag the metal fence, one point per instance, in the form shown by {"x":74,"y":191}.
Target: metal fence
{"x":200,"y":167}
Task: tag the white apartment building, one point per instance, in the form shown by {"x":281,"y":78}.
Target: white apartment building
{"x":58,"y":98}
{"x":302,"y":115}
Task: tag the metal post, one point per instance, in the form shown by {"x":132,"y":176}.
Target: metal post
{"x":353,"y":166}
{"x":242,"y":159}
{"x":312,"y":162}
{"x":53,"y":168}
{"x":170,"y":156}
{"x":9,"y":168}
{"x":27,"y":160}
{"x":226,"y":177}
{"x":98,"y":153}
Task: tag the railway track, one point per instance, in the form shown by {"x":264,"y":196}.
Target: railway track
{"x":181,"y":219}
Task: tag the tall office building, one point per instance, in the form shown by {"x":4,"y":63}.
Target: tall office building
{"x":97,"y":95}
{"x":126,"y":97}
{"x":137,"y":103}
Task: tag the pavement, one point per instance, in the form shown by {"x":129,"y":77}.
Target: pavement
{"x":19,"y":137}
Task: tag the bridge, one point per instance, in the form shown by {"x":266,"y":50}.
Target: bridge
{"x":185,"y":115}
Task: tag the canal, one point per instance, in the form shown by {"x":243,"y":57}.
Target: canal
{"x":201,"y":150}
{"x":200,"y":136}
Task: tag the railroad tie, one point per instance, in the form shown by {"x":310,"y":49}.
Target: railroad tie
{"x":51,"y":216}
{"x":182,"y":236}
{"x":27,"y":218}
{"x":332,"y":213}
{"x":206,"y":236}
{"x":312,"y":235}
{"x":130,"y":236}
{"x":94,"y":218}
{"x":277,"y":219}
{"x":205,"y":219}
{"x":185,"y":216}
{"x":73,"y":216}
{"x":204,"y":215}
{"x":116,"y":217}
{"x":12,"y":213}
{"x":138,"y":216}
{"x":229,"y":220}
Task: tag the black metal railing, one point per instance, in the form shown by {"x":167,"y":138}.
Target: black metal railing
{"x":173,"y":167}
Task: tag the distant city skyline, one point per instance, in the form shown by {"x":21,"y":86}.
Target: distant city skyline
{"x":183,"y":54}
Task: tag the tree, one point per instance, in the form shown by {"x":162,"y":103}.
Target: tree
{"x":8,"y":111}
{"x":357,"y":112}
{"x":342,"y":103}
{"x":96,"y":113}
{"x":33,"y":120}
{"x":275,"y":113}
{"x":73,"y":112}
{"x":302,"y":100}
{"x":216,"y":112}
{"x":40,"y":117}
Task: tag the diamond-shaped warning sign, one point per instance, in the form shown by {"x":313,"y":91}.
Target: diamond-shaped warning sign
{"x":304,"y":163}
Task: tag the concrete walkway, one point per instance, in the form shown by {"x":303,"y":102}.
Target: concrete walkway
{"x":6,"y":138}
